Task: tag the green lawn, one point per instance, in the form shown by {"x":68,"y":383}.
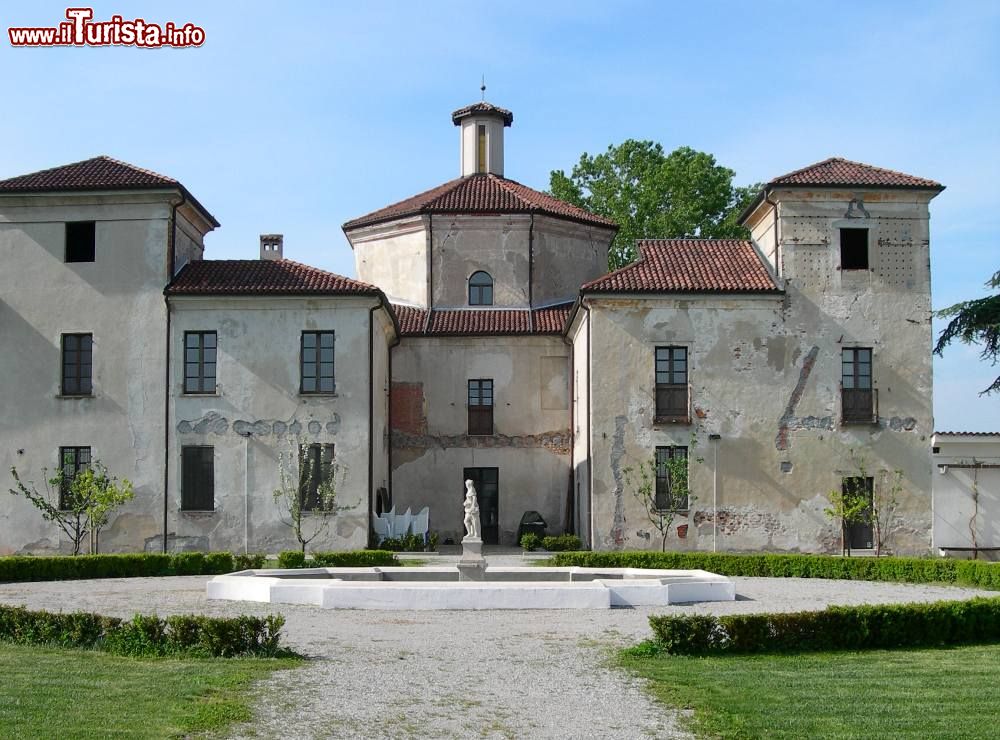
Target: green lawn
{"x":936,"y":693}
{"x":55,"y":692}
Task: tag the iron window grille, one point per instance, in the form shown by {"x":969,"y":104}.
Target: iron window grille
{"x":72,"y":460}
{"x":666,"y":484}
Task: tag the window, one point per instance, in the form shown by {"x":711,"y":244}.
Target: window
{"x":859,"y":535}
{"x":480,"y":289}
{"x":480,"y":407}
{"x":671,"y":384}
{"x":315,"y":470}
{"x":671,"y":490}
{"x":199,"y":361}
{"x":857,"y":400}
{"x":71,"y":461}
{"x":317,"y":362}
{"x":481,"y":148}
{"x":198,"y":479}
{"x":854,"y":249}
{"x":77,"y":364}
{"x":80,"y":241}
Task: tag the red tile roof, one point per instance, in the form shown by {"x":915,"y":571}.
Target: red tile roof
{"x":481,"y":194}
{"x":690,"y":266}
{"x":482,"y":322}
{"x":483,"y":107}
{"x":262,"y":278}
{"x":97,"y":173}
{"x":837,"y":171}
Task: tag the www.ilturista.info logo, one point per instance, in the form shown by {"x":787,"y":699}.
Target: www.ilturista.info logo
{"x":80,"y":30}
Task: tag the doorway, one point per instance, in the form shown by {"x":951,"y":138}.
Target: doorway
{"x":860,"y":534}
{"x":486,"y":481}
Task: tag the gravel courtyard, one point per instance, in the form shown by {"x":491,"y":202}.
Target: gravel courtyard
{"x":456,"y":674}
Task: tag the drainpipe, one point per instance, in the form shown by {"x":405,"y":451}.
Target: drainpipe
{"x":371,"y":413}
{"x":531,"y":259}
{"x":171,"y":242}
{"x":715,"y":492}
{"x":246,"y":492}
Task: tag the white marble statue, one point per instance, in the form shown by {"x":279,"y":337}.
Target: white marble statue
{"x":471,"y":512}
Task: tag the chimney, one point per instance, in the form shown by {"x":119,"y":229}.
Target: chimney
{"x":272,"y":246}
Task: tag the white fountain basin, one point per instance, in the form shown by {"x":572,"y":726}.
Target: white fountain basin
{"x":502,"y":588}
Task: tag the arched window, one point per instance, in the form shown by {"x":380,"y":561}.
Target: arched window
{"x":480,"y":289}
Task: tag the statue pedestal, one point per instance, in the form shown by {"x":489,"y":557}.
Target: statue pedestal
{"x":472,"y":565}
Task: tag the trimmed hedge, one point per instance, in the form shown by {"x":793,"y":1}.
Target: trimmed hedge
{"x":126,"y":565}
{"x":834,"y":628}
{"x":347,"y":559}
{"x":906,"y":570}
{"x":144,"y":635}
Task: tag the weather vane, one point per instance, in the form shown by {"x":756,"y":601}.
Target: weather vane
{"x":482,"y":88}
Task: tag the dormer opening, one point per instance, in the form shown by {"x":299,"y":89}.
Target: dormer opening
{"x":481,"y":148}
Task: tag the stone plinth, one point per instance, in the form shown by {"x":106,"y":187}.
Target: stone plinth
{"x":472,"y":564}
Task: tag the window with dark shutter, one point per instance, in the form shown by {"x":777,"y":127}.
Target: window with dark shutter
{"x":80,"y":241}
{"x":315,"y":472}
{"x":199,"y":361}
{"x":854,"y":249}
{"x":671,"y":489}
{"x":317,"y":362}
{"x":857,"y":396}
{"x":198,"y":478}
{"x":672,"y":384}
{"x":481,"y":407}
{"x":71,"y":461}
{"x":77,"y":364}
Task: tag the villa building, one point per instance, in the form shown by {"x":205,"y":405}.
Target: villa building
{"x":483,"y":339}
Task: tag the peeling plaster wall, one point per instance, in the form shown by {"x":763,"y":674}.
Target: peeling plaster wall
{"x":967,"y":494}
{"x":566,"y":255}
{"x":530,"y":445}
{"x":258,"y":394}
{"x":465,"y":244}
{"x":118,"y":298}
{"x":393,"y":256}
{"x":765,"y":375}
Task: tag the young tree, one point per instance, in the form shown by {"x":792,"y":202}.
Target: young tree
{"x":650,"y":194}
{"x":976,"y":321}
{"x":307,"y":493}
{"x":849,"y":505}
{"x":885,"y":501}
{"x":81,"y":504}
{"x":857,"y":503}
{"x":661,"y":510}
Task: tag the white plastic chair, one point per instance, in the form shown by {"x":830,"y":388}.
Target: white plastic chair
{"x":403,"y":522}
{"x":381,"y":527}
{"x":421,"y":523}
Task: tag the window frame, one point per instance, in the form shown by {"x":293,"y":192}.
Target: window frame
{"x":482,"y":147}
{"x":852,"y":392}
{"x":194,"y":500}
{"x":309,"y":499}
{"x":78,"y":377}
{"x":480,"y":289}
{"x":662,"y":483}
{"x":89,"y":249}
{"x":480,"y":414}
{"x":201,"y":363}
{"x":854,"y":264}
{"x":77,"y":464}
{"x":318,"y":362}
{"x":666,"y":409}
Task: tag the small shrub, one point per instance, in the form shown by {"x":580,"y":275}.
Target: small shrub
{"x":562,"y":542}
{"x":249,"y":561}
{"x":531,"y":541}
{"x":432,"y":542}
{"x":404,"y":543}
{"x":291,"y":559}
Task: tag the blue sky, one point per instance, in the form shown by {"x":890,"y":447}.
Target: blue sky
{"x":295,"y":117}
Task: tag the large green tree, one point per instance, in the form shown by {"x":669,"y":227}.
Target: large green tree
{"x":651,"y":194}
{"x":976,"y":321}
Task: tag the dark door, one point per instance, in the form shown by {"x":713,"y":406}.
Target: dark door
{"x":486,"y":481}
{"x":860,"y":534}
